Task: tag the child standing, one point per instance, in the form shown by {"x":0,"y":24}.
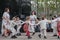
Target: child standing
{"x":43,"y":27}
{"x":19,"y":25}
{"x":54,"y":26}
{"x":27,"y":27}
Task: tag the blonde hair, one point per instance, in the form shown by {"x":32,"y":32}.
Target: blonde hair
{"x":28,"y":17}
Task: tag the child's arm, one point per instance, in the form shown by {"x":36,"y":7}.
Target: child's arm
{"x":38,"y":23}
{"x":22,"y":22}
{"x":31,"y":23}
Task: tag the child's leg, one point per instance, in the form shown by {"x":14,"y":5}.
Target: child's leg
{"x":44,"y":32}
{"x":40,"y":34}
{"x":2,"y":30}
{"x":55,"y":31}
{"x":33,"y":29}
{"x":18,"y":29}
{"x":13,"y":35}
{"x":28,"y":34}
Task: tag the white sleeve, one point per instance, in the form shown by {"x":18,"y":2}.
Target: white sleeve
{"x":4,"y":15}
{"x":52,"y":21}
{"x":22,"y":23}
{"x":35,"y":17}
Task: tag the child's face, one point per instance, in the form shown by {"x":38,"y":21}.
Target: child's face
{"x":33,"y":13}
{"x":14,"y":18}
{"x":17,"y":18}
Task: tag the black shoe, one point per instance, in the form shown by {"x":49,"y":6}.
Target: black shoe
{"x":54,"y":35}
{"x":58,"y":37}
{"x":4,"y":35}
{"x":33,"y":34}
{"x":18,"y":34}
{"x":14,"y":37}
{"x":39,"y":35}
{"x":29,"y":37}
{"x":45,"y":37}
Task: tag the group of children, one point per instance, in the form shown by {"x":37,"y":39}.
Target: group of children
{"x":29,"y":25}
{"x":8,"y":28}
{"x":8,"y":25}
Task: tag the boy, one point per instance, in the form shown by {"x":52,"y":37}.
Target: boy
{"x":54,"y":26}
{"x":43,"y":27}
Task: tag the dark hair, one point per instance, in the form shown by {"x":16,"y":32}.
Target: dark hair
{"x":42,"y":18}
{"x":17,"y":16}
{"x":34,"y":12}
{"x":6,"y":9}
{"x":38,"y":18}
{"x":52,"y":18}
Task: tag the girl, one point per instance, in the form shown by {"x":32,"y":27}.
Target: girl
{"x":33,"y":19}
{"x":27,"y":27}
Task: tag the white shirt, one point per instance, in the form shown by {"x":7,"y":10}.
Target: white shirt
{"x":33,"y":18}
{"x":53,"y":23}
{"x":7,"y":16}
{"x":43,"y":24}
{"x":58,"y":19}
{"x":28,"y":22}
{"x":12,"y":23}
{"x":19,"y":23}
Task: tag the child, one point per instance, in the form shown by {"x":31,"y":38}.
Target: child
{"x":33,"y":19}
{"x":27,"y":27}
{"x":19,"y":25}
{"x":12,"y":24}
{"x":54,"y":26}
{"x":43,"y":27}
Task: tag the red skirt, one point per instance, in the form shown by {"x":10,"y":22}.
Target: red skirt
{"x":25,"y":27}
{"x":58,"y":27}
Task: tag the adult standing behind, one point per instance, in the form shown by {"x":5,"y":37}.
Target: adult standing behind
{"x":7,"y":24}
{"x":5,"y":19}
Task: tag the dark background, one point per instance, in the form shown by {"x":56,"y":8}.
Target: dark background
{"x":17,"y":7}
